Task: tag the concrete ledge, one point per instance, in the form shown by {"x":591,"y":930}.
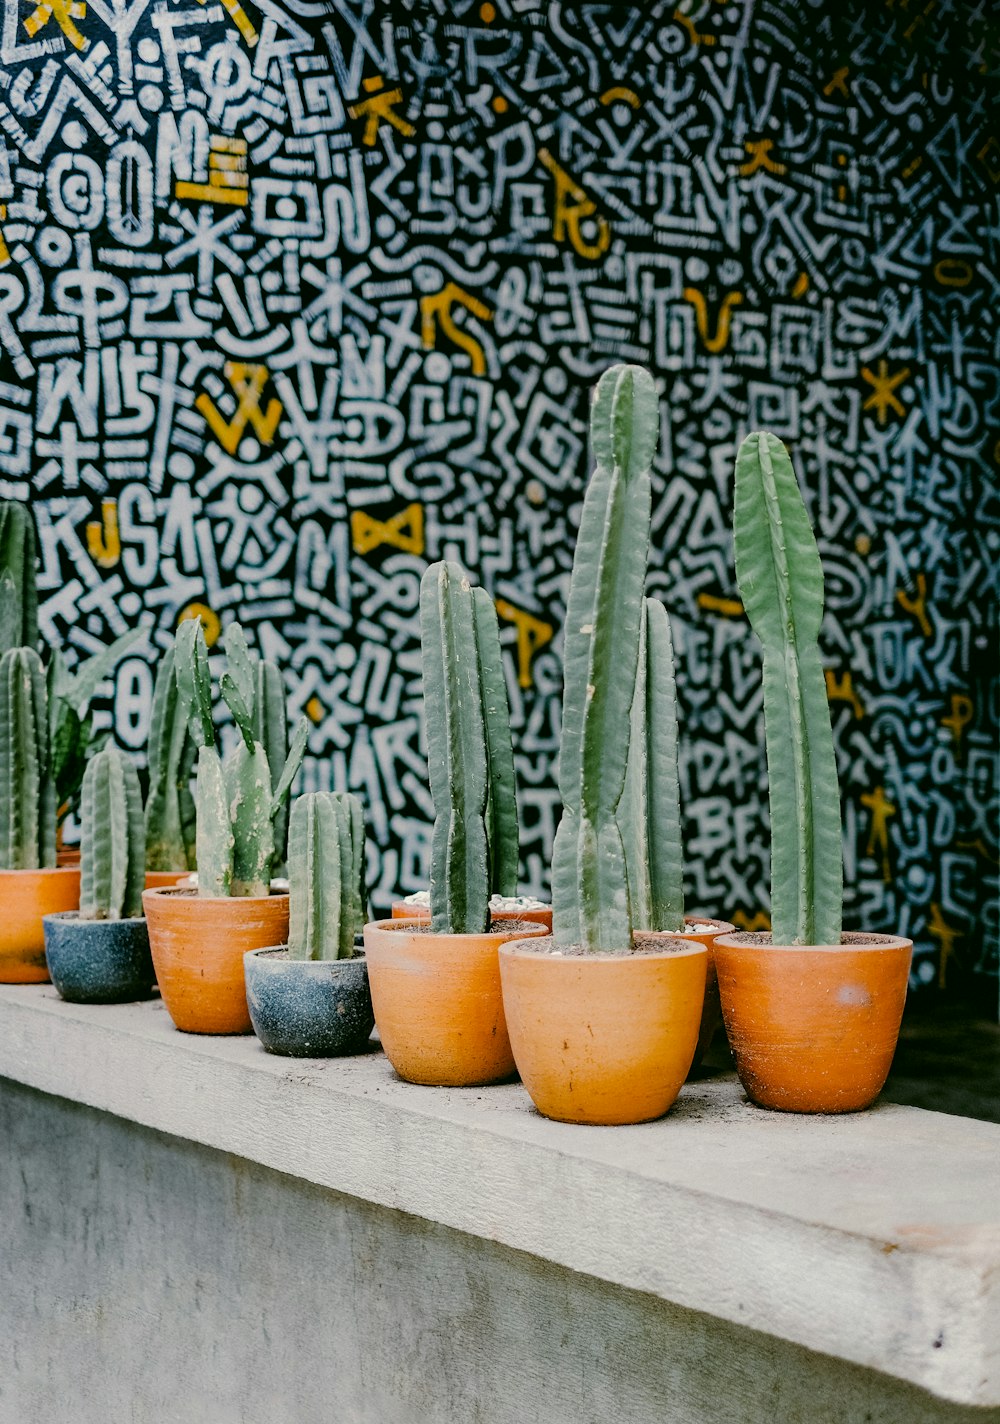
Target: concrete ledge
{"x":874,"y":1239}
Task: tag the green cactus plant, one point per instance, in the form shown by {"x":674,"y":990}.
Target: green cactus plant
{"x":27,"y":790}
{"x":112,"y":859}
{"x":780,"y":579}
{"x":590,"y":900}
{"x":469,"y":757}
{"x":170,"y":813}
{"x":649,"y":814}
{"x":18,"y":590}
{"x":326,"y":875}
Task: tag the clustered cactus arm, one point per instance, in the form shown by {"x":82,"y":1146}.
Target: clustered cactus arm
{"x":603,"y":620}
{"x":780,"y":580}
{"x":18,"y":588}
{"x":70,"y":728}
{"x":27,"y":793}
{"x":501,"y":790}
{"x":649,"y":814}
{"x":169,"y":805}
{"x":112,"y":861}
{"x":325,"y":910}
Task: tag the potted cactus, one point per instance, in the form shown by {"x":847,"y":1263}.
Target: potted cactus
{"x":310,"y":998}
{"x":198,"y":936}
{"x":812,"y":1014}
{"x":31,"y":885}
{"x":435,"y":984}
{"x":170,"y":813}
{"x":99,"y":954}
{"x":604,"y":1021}
{"x":18,"y":590}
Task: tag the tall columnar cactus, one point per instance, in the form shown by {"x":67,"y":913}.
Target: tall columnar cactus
{"x":469,"y":757}
{"x":170,"y":817}
{"x":112,"y":859}
{"x":70,"y":727}
{"x":326,"y":875}
{"x":780,"y":579}
{"x":590,"y":902}
{"x":18,"y":590}
{"x":27,"y":791}
{"x":649,"y":814}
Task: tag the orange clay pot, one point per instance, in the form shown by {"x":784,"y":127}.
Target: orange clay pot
{"x":25,"y":896}
{"x":402,"y":911}
{"x":604,"y":1038}
{"x":711,"y":1014}
{"x":813,"y":1028}
{"x":437,"y":1001}
{"x":198,"y":943}
{"x":161,"y":879}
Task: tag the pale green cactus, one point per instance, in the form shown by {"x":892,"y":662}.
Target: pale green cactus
{"x":27,"y":791}
{"x":326,"y":875}
{"x":170,"y":814}
{"x":501,"y":790}
{"x":18,"y":588}
{"x":112,"y":858}
{"x":780,"y":580}
{"x":590,"y":901}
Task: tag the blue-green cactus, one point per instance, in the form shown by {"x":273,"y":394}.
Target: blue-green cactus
{"x":112,"y":852}
{"x":170,"y":813}
{"x":18,"y":586}
{"x":27,"y":792}
{"x":326,"y":875}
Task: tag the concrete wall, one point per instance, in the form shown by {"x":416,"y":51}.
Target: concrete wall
{"x":148,"y":1279}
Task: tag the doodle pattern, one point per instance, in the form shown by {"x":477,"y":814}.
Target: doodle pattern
{"x":296,"y":297}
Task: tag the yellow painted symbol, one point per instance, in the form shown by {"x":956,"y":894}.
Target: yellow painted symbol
{"x":760,"y":157}
{"x":210,"y":624}
{"x":801,"y":285}
{"x":620,"y":93}
{"x":314,"y":710}
{"x":878,"y":837}
{"x":728,"y":607}
{"x":883,"y":397}
{"x":435,"y":311}
{"x":695,"y":36}
{"x":64,"y":12}
{"x":228,"y":180}
{"x":532,"y":634}
{"x":863,"y":544}
{"x":241,"y":20}
{"x":953,"y":272}
{"x":103,"y":540}
{"x":4,"y":253}
{"x":917,"y":605}
{"x":842,"y":690}
{"x":753,"y":924}
{"x":572,"y":206}
{"x":380,"y":108}
{"x":404,"y":530}
{"x":911,"y":168}
{"x":961,"y":715}
{"x":248,"y":382}
{"x":719,"y":341}
{"x":838,"y":84}
{"x":946,"y":937}
{"x":989,"y":157}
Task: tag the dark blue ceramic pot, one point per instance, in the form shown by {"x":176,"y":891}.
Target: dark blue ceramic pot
{"x":98,"y":961}
{"x":308,"y":1008}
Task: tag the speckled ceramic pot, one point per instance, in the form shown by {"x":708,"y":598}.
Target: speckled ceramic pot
{"x":98,"y":961}
{"x":308,"y":1008}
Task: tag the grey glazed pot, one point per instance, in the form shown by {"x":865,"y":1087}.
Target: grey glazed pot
{"x":98,"y":961}
{"x":308,"y":1008}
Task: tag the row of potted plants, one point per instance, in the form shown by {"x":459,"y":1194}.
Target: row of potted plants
{"x":601,"y":1002}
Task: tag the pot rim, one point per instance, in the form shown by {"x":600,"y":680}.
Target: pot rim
{"x":531,"y":930}
{"x":852,"y":942}
{"x":680,"y":948}
{"x":74,"y":917}
{"x":270,"y":952}
{"x":720,"y":926}
{"x":190,"y":895}
{"x":42,"y":870}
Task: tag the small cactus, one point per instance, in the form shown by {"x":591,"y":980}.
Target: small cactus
{"x":112,"y":861}
{"x":18,"y":589}
{"x":170,"y":815}
{"x":780,"y":580}
{"x":326,"y":875}
{"x":27,"y":791}
{"x":590,"y":900}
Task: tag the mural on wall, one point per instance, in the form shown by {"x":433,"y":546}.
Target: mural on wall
{"x":297,"y":297}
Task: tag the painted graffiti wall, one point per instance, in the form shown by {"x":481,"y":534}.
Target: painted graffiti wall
{"x":297,"y":297}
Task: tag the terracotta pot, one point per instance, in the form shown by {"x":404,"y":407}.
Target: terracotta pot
{"x":604,"y":1038}
{"x":160,"y":879}
{"x":813,"y":1028}
{"x":68,"y":857}
{"x":437,"y":1001}
{"x":25,"y":896}
{"x":711,"y":1014}
{"x":543,"y":916}
{"x":198,"y":943}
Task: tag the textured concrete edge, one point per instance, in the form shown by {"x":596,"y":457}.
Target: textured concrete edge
{"x":910,"y":1310}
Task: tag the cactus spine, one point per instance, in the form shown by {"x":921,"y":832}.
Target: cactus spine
{"x":27,"y":791}
{"x":603,"y":622}
{"x":18,"y":591}
{"x":780,"y":580}
{"x":649,"y":813}
{"x":326,"y":870}
{"x":169,"y":806}
{"x":112,"y":862}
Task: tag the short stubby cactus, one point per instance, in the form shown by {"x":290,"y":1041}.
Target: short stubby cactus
{"x":649,"y":813}
{"x":780,"y":580}
{"x":326,"y":868}
{"x":18,"y":588}
{"x":469,"y":758}
{"x":590,"y":899}
{"x":27,"y":790}
{"x":112,"y":853}
{"x":170,"y":813}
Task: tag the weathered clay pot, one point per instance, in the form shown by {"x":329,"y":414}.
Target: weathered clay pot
{"x":26,"y":896}
{"x":604,"y":1038}
{"x":98,"y":961}
{"x":437,"y":1001}
{"x":161,"y":879}
{"x":813,"y":1028}
{"x":308,"y":1008}
{"x":198,"y":943}
{"x":535,"y":915}
{"x":711,"y":1014}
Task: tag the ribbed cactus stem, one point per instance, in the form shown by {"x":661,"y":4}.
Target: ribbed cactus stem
{"x":112,"y":861}
{"x":780,"y":580}
{"x":18,"y":589}
{"x":215,"y":840}
{"x":248,"y":785}
{"x":355,"y":888}
{"x":270,"y":716}
{"x":171,"y":762}
{"x":323,"y":883}
{"x":603,"y":621}
{"x":649,"y":813}
{"x":27,"y":793}
{"x":501,"y":791}
{"x":456,"y":752}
